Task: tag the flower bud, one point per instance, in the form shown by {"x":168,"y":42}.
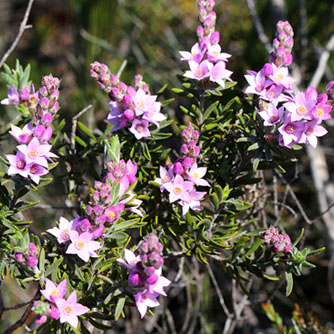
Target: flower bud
{"x":178,"y":169}
{"x":134,"y":278}
{"x":149,"y":270}
{"x":33,"y":251}
{"x":19,"y":257}
{"x":129,"y":114}
{"x":152,"y":279}
{"x":267,"y":69}
{"x":187,"y":162}
{"x":41,"y":319}
{"x":32,"y":261}
{"x":54,"y":313}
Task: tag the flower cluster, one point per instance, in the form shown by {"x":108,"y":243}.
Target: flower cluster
{"x":30,"y":258}
{"x":283,"y":44}
{"x":206,"y":61}
{"x":181,"y":177}
{"x":31,"y":159}
{"x":297,"y":117}
{"x":275,"y":241}
{"x":27,"y":97}
{"x":130,"y":106}
{"x":56,"y":307}
{"x":145,"y":276}
{"x":104,"y":208}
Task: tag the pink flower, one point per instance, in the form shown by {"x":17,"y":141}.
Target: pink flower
{"x":291,"y":132}
{"x":193,"y":202}
{"x":140,"y":128}
{"x":130,"y":259}
{"x":301,"y":107}
{"x":62,"y":233}
{"x":196,"y":54}
{"x":82,"y":245}
{"x":165,"y":177}
{"x":178,"y":189}
{"x":311,"y":132}
{"x":18,"y":164}
{"x":36,"y":152}
{"x":13,"y":97}
{"x":280,"y":76}
{"x":272,"y":115}
{"x":322,"y":111}
{"x":219,"y":72}
{"x":70,"y":309}
{"x":214,"y":54}
{"x":144,"y":102}
{"x":53,"y":292}
{"x":196,"y":174}
{"x":35,"y":171}
{"x":145,"y":299}
{"x":199,"y":71}
{"x":23,"y":136}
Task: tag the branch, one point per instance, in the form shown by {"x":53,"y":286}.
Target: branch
{"x":23,"y":27}
{"x":258,"y":25}
{"x":319,"y":72}
{"x":19,"y":323}
{"x":75,"y":123}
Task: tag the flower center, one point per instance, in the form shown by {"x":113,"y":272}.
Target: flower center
{"x":55,"y":293}
{"x":280,"y":77}
{"x":111,"y":214}
{"x":68,"y":310}
{"x":199,"y":72}
{"x":64,"y":234}
{"x":33,"y":169}
{"x":309,"y":131}
{"x":320,"y":111}
{"x":195,"y":175}
{"x":166,"y":178}
{"x":33,"y":153}
{"x":290,"y":128}
{"x":273,"y":118}
{"x":140,"y":128}
{"x":21,"y":164}
{"x":301,"y":110}
{"x":79,"y":245}
{"x":178,"y":189}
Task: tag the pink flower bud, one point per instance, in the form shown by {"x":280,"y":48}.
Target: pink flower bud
{"x":134,"y":278}
{"x":98,"y":231}
{"x":288,"y":59}
{"x":200,"y":32}
{"x":41,"y":319}
{"x":33,"y":251}
{"x":131,"y":91}
{"x":101,"y":219}
{"x":32,"y":261}
{"x":267,"y":69}
{"x":287,"y":249}
{"x":47,"y":134}
{"x":196,"y":151}
{"x":129,"y":114}
{"x":19,"y":257}
{"x":149,"y":270}
{"x":144,"y":247}
{"x":184,"y":149}
{"x":47,"y":119}
{"x":123,"y":87}
{"x":152,"y":279}
{"x":39,"y":131}
{"x":178,"y":169}
{"x":127,"y":99}
{"x":54,"y":313}
{"x":187,"y":162}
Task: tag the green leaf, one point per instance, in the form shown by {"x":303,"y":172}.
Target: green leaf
{"x":210,"y":109}
{"x":289,"y":283}
{"x":85,"y":130}
{"x":80,"y":141}
{"x":271,"y":278}
{"x":53,"y":267}
{"x":21,"y":206}
{"x":119,"y":307}
{"x":254,"y":247}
